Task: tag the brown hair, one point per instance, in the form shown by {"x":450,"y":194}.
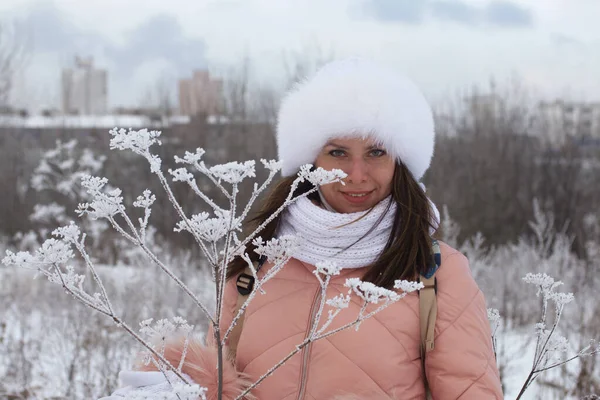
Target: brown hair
{"x":407,"y":253}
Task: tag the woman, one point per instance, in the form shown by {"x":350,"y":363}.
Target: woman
{"x":377,"y":127}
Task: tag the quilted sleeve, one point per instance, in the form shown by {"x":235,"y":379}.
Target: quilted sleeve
{"x":462,"y":365}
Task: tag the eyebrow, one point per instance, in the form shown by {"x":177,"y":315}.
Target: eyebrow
{"x":333,"y":144}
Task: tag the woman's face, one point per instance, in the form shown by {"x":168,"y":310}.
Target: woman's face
{"x":369,"y":168}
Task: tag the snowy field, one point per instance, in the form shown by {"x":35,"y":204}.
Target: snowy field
{"x":53,"y":348}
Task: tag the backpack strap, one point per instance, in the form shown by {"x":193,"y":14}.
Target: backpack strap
{"x":428,"y":309}
{"x":244,"y":285}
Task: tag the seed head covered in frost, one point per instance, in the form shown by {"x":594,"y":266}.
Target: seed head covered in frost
{"x":191,"y":158}
{"x":340,"y":301}
{"x":369,"y":292}
{"x":164,"y":327}
{"x":93,"y":184}
{"x":69,"y":233}
{"x":562,"y":298}
{"x":276,"y":250}
{"x":137,"y":141}
{"x":321,"y":176}
{"x":181,"y":175}
{"x":493,"y":315}
{"x":327,"y":268}
{"x":408,"y":286}
{"x":209,"y":229}
{"x":233,"y":172}
{"x":22,"y":259}
{"x":46,"y":213}
{"x":545,"y":283}
{"x":71,"y":279}
{"x":54,"y":252}
{"x":104,"y":204}
{"x":145,"y":200}
{"x":272,"y":165}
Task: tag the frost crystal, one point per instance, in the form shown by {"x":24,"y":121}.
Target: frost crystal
{"x":54,"y":252}
{"x":70,"y":279}
{"x":562,"y":298}
{"x":272,"y":165}
{"x":137,"y":141}
{"x":369,"y":292}
{"x":321,"y":176}
{"x":191,"y":158}
{"x":408,"y":286}
{"x":233,"y":172}
{"x":146,"y":200}
{"x":209,"y":229}
{"x":70,"y":232}
{"x":340,"y":301}
{"x":46,"y":213}
{"x":327,"y":268}
{"x":21,"y":259}
{"x":493,"y":315}
{"x":163,"y":327}
{"x":181,"y":175}
{"x":276,"y":250}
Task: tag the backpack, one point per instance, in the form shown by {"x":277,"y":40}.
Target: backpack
{"x":427,"y":307}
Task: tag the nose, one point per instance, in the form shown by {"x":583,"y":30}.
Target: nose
{"x":357,"y":171}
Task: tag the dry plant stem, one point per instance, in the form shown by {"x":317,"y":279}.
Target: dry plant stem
{"x":313,"y":339}
{"x":255,"y":194}
{"x":164,"y":372}
{"x":288,"y":201}
{"x":257,"y":287}
{"x":202,"y":168}
{"x":184,"y":353}
{"x":120,"y":323}
{"x":204,"y":197}
{"x":86,"y":301}
{"x":166,"y":269}
{"x":119,"y":229}
{"x":181,"y":213}
{"x":324,"y":285}
{"x":274,"y":368}
{"x":358,"y":320}
{"x":92,"y":269}
{"x":221,"y":276}
{"x":225,"y":262}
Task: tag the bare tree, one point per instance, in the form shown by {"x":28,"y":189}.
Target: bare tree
{"x":12,"y":57}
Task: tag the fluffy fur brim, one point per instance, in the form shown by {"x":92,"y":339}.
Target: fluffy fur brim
{"x":356,"y":98}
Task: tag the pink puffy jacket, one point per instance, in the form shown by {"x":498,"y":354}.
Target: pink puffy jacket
{"x":379,"y":361}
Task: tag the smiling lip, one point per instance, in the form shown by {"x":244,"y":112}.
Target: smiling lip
{"x":357,"y":197}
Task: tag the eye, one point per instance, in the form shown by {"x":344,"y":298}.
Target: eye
{"x":337,"y":153}
{"x":377,"y":153}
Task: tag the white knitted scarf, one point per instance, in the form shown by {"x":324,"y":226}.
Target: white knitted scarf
{"x":346,"y":239}
{"x":342,"y":238}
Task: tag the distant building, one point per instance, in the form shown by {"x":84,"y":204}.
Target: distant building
{"x":200,"y":94}
{"x":84,"y":89}
{"x":571,"y":120}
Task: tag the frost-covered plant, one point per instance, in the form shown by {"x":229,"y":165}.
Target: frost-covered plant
{"x":217,"y":234}
{"x":551,"y":348}
{"x":57,"y":179}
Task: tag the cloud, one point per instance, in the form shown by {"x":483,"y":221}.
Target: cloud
{"x":506,"y":13}
{"x":501,"y":13}
{"x":159,"y":41}
{"x":456,"y":11}
{"x":405,"y":11}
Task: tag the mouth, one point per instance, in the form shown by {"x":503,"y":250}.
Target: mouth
{"x":357,"y":197}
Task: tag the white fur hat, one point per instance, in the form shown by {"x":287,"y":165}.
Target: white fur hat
{"x":355,"y":97}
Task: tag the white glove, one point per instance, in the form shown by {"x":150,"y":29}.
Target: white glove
{"x":145,"y":384}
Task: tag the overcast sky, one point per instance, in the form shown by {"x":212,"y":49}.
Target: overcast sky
{"x":552,"y":46}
